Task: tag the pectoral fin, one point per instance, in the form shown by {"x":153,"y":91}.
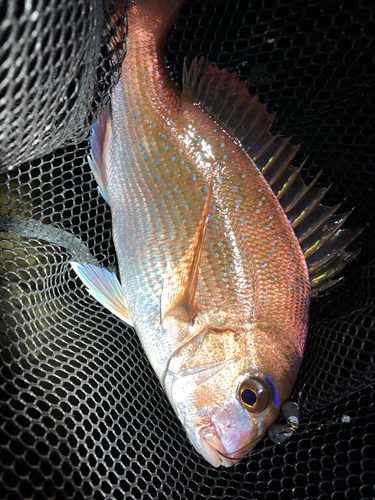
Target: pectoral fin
{"x":180,"y":282}
{"x":104,"y":287}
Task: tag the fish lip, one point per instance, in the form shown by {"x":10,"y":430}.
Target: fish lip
{"x":212,"y":448}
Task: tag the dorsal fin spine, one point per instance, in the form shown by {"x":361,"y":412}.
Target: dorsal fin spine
{"x":308,"y":251}
{"x":201,"y":83}
{"x":227,"y":97}
{"x":243,"y":137}
{"x":218,"y":90}
{"x":295,"y":172}
{"x":272,"y":160}
{"x":194,"y":75}
{"x":317,"y":198}
{"x":184,"y":73}
{"x":337,"y":244}
{"x":285,"y":165}
{"x":208,"y":88}
{"x":302,"y":193}
{"x":256,"y":121}
{"x":328,"y":212}
{"x":272,"y":139}
{"x":244,"y":116}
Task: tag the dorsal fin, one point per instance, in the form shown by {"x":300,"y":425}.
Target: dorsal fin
{"x":225,"y":97}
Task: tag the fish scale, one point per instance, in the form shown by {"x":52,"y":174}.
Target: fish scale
{"x":165,"y":216}
{"x":213,"y":277}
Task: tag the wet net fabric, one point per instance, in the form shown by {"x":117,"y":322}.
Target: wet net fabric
{"x":82,"y":414}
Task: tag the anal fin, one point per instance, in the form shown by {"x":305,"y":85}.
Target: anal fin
{"x":104,"y":287}
{"x":100,"y":132}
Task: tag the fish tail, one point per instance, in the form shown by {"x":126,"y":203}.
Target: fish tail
{"x":154,"y":17}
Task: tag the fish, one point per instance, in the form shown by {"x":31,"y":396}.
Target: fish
{"x":220,"y":243}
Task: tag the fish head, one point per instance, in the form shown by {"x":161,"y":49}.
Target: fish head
{"x":225,"y":394}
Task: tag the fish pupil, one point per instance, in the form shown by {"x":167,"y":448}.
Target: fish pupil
{"x":249,"y":397}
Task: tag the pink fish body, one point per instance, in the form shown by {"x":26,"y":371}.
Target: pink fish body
{"x":213,"y":277}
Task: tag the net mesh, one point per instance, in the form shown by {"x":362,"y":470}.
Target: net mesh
{"x":82,"y":414}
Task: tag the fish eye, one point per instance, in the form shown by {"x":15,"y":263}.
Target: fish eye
{"x":254,"y":395}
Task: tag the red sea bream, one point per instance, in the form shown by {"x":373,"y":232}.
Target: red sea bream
{"x":215,"y":234}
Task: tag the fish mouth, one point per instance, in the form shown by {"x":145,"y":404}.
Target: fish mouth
{"x":213,"y":450}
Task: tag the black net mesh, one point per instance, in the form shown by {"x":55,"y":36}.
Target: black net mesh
{"x":82,"y":414}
